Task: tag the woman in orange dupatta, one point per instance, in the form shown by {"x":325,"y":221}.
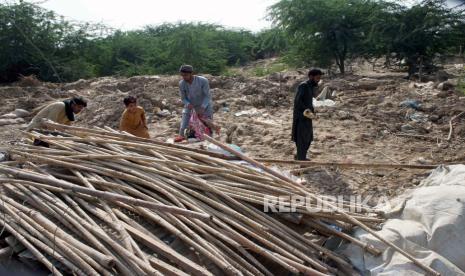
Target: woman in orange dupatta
{"x":133,"y":119}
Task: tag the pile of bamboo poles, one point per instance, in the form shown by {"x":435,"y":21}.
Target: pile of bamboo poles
{"x":99,"y":202}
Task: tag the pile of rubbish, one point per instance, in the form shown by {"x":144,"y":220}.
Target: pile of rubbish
{"x":101,"y":202}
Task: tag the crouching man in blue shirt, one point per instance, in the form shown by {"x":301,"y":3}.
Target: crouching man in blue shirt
{"x":195,"y":95}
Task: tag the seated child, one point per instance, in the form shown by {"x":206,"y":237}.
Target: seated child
{"x":133,"y":119}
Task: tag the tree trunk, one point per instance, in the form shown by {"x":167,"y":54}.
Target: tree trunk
{"x":343,"y":57}
{"x":420,"y":68}
{"x":411,"y":63}
{"x":341,"y":66}
{"x":340,"y":63}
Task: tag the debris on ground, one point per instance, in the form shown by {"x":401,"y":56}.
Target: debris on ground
{"x":363,"y":122}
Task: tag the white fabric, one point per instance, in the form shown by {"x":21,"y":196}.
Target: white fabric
{"x":428,"y":222}
{"x":317,"y":103}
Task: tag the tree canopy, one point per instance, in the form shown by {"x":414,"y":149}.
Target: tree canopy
{"x":40,"y":42}
{"x":324,"y":32}
{"x":321,"y":33}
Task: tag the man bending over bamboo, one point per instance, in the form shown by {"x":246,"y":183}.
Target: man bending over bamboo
{"x":61,"y":112}
{"x":195,"y":95}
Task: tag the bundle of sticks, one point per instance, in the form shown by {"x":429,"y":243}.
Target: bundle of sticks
{"x":100,"y":202}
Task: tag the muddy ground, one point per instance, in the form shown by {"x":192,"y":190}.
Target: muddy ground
{"x":370,"y":123}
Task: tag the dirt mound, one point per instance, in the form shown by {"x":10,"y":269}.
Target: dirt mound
{"x":28,"y":81}
{"x":157,"y":93}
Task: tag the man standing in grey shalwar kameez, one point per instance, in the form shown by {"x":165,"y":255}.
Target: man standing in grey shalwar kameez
{"x":195,"y":95}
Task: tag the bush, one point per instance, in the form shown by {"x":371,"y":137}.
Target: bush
{"x":36,"y":41}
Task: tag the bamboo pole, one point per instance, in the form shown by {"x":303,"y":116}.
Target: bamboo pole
{"x":74,"y":249}
{"x":120,"y":249}
{"x":159,"y":220}
{"x":115,"y":222}
{"x":324,"y":228}
{"x":180,"y":178}
{"x":104,"y":195}
{"x":188,"y":221}
{"x":335,"y":208}
{"x":346,"y":165}
{"x":81,"y":260}
{"x":134,"y":138}
{"x":39,"y":256}
{"x":243,"y":251}
{"x":267,"y":236}
{"x":123,"y":268}
{"x":157,"y":245}
{"x":48,"y":250}
{"x":74,"y":219}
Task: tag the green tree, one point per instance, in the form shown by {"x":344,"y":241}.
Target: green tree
{"x":416,"y":34}
{"x":26,"y":34}
{"x":270,"y":43}
{"x":192,"y":43}
{"x":36,"y":41}
{"x":239,"y":46}
{"x":324,"y":31}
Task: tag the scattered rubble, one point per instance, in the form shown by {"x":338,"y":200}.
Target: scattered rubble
{"x":373,"y":112}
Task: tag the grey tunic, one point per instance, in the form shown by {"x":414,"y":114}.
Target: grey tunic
{"x":198,"y":94}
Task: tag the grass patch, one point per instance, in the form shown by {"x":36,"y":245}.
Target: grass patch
{"x":232,"y":72}
{"x":269,"y":69}
{"x":259,"y":68}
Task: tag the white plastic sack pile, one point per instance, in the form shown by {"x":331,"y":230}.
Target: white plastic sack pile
{"x":321,"y":103}
{"x":428,"y":222}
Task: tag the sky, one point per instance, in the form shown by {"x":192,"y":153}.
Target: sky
{"x":133,"y":14}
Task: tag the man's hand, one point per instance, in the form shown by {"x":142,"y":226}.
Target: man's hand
{"x":309,"y":114}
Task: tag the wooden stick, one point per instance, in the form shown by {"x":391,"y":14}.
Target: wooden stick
{"x":124,"y":235}
{"x":347,"y":165}
{"x":123,"y":268}
{"x":134,"y":138}
{"x":422,"y":137}
{"x":37,"y":230}
{"x":40,"y":227}
{"x":183,"y":179}
{"x":335,"y":208}
{"x":104,"y":195}
{"x":450,"y":124}
{"x":325,"y":228}
{"x":121,"y":250}
{"x":31,"y":248}
{"x":45,"y":246}
{"x":108,"y":260}
{"x":157,"y":245}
